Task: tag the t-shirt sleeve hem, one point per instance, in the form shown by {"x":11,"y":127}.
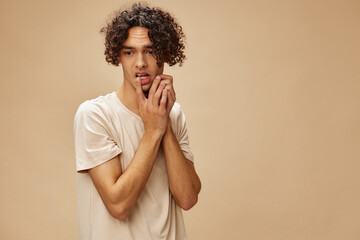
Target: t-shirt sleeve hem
{"x":189,"y":156}
{"x":96,"y":162}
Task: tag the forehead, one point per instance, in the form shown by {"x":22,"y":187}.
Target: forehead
{"x":137,"y":37}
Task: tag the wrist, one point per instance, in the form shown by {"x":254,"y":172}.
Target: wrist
{"x":169,"y":131}
{"x":168,"y":126}
{"x":153,"y":134}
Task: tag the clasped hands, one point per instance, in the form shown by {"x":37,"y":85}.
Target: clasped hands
{"x":155,"y":109}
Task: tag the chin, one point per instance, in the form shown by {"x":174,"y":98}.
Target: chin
{"x":146,"y":91}
{"x":145,"y":88}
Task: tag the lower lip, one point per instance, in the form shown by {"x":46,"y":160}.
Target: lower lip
{"x":145,"y":80}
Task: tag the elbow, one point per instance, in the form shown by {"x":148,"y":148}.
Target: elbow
{"x":121,"y":216}
{"x":189,"y":203}
{"x":119,"y":212}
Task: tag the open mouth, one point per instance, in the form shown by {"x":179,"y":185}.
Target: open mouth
{"x":142,"y":75}
{"x":144,"y":78}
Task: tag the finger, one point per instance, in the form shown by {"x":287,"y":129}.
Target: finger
{"x":171,"y":91}
{"x":169,"y":87}
{"x":170,"y":101}
{"x":139,"y":92}
{"x":153,"y":88}
{"x":166,"y":77}
{"x":158,"y":94}
{"x":163,"y":100}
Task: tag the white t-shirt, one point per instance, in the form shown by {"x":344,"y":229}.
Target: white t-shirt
{"x":103,"y":129}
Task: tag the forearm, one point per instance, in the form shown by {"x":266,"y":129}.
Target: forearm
{"x":134,"y":178}
{"x":128,"y":187}
{"x":120,"y":190}
{"x":184,"y":183}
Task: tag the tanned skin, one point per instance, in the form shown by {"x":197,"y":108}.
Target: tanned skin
{"x":153,"y":102}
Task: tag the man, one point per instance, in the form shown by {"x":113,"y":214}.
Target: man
{"x":135,"y":167}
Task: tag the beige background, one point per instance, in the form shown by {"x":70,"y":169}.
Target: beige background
{"x":271,"y":93}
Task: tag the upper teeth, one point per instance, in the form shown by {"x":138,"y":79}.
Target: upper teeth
{"x":141,"y":75}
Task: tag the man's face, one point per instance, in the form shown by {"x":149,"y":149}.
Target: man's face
{"x":137,"y":59}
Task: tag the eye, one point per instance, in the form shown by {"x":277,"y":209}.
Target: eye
{"x":127,"y":52}
{"x":150,"y":52}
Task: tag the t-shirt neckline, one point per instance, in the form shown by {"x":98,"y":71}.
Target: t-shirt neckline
{"x":124,"y":107}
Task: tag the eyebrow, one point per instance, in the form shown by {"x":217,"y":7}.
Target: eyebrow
{"x":128,"y":47}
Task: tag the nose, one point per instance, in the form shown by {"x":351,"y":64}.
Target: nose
{"x":140,"y":61}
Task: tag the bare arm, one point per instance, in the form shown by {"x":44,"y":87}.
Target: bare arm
{"x":120,"y":191}
{"x":184,"y":183}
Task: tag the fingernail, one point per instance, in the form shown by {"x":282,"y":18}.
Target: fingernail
{"x":137,"y":80}
{"x":158,"y":77}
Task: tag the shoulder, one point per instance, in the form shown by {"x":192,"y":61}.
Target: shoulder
{"x":97,"y":109}
{"x":97,"y":106}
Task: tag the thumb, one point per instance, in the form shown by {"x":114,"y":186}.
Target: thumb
{"x":139,"y":92}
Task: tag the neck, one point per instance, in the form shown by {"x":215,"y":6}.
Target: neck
{"x":128,"y":97}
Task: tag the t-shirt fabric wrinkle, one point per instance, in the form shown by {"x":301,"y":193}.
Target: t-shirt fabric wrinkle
{"x":103,"y":129}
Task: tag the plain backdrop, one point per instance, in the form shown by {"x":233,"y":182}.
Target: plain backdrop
{"x":270,"y":90}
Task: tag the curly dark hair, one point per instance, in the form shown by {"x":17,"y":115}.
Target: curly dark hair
{"x":164,"y":32}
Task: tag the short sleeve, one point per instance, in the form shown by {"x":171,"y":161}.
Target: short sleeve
{"x":179,"y":127}
{"x":94,"y":139}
